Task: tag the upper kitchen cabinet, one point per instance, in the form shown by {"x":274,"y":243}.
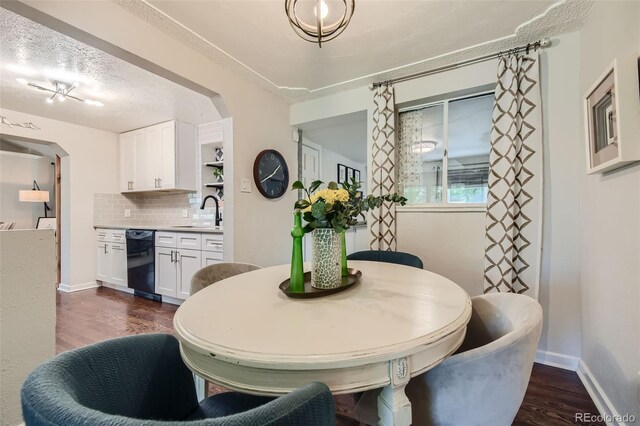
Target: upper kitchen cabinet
{"x":159,"y":158}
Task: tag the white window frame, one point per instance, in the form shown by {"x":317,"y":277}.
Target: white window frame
{"x":445,"y":206}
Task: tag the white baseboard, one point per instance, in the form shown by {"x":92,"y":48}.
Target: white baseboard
{"x":553,"y":359}
{"x":117,"y":287}
{"x":70,"y":288}
{"x":600,"y":399}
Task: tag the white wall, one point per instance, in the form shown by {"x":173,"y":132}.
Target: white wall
{"x":89,"y":165}
{"x":560,"y":274}
{"x":610,"y":222}
{"x":260,"y":119}
{"x":329,"y":163}
{"x":27,"y":312}
{"x":452,"y":244}
{"x":17,"y":172}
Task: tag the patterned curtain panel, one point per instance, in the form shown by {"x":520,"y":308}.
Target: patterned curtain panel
{"x":410,"y":173}
{"x":514,"y":203}
{"x":383,"y":171}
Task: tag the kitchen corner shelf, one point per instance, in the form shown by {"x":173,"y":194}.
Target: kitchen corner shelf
{"x":214,"y":185}
{"x":218,"y":164}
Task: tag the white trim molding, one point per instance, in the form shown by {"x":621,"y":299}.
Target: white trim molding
{"x":599,"y":397}
{"x":553,"y":359}
{"x":70,"y":288}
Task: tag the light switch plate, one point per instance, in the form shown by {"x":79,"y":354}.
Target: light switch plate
{"x":127,"y":213}
{"x":245,"y":185}
{"x":185,"y":213}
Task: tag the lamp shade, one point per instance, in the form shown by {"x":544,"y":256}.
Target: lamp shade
{"x":33,"y":196}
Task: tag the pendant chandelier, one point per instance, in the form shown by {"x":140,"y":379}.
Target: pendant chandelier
{"x":319,"y":21}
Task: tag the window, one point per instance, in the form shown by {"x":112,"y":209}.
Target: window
{"x":446,"y":145}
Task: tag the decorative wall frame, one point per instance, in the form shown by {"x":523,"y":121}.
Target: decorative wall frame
{"x":342,"y":173}
{"x":609,"y":107}
{"x":350,"y":173}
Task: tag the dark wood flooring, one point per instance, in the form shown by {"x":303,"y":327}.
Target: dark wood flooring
{"x":553,"y":397}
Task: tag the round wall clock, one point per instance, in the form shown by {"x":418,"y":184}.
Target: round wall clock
{"x":271,"y":174}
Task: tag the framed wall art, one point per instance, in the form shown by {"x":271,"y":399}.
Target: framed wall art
{"x":609,"y":106}
{"x":342,"y":173}
{"x":350,"y":174}
{"x":601,"y":118}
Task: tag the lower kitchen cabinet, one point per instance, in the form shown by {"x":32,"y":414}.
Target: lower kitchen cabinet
{"x":174,"y":270}
{"x":179,"y":256}
{"x":111,"y":258}
{"x":210,"y":258}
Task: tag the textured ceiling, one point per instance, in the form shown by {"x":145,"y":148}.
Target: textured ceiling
{"x":385,"y":39}
{"x":132,"y":97}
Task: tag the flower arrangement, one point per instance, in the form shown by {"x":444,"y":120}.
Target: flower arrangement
{"x":337,"y":207}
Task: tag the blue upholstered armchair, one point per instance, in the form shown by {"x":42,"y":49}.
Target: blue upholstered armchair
{"x":141,"y":380}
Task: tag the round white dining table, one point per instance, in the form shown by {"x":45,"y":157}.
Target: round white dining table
{"x":397,"y":322}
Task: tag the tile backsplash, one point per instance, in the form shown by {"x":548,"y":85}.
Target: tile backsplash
{"x":152,"y":210}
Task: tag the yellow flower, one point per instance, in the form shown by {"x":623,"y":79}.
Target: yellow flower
{"x":329,"y":196}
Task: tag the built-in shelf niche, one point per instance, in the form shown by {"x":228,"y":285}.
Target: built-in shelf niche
{"x":212,"y":156}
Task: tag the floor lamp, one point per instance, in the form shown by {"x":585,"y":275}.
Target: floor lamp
{"x":35,"y":195}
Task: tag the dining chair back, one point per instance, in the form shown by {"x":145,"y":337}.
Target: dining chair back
{"x":142,"y":379}
{"x":484,"y":382}
{"x":387,"y":256}
{"x":213,"y":273}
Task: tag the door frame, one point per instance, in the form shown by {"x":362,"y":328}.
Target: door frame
{"x":57,"y":189}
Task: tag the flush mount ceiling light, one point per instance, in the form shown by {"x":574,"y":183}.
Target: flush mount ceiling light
{"x":423,"y":147}
{"x":60,"y":91}
{"x":319,"y":21}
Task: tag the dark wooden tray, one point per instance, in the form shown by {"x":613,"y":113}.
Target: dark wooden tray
{"x":311,"y":292}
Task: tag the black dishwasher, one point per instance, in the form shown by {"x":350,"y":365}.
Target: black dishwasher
{"x":141,"y":263}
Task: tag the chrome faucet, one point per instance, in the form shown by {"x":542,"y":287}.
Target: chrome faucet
{"x":218,"y":219}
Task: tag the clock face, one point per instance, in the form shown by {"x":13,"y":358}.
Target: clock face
{"x":271,"y":174}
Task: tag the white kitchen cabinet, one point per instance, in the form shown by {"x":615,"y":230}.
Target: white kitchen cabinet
{"x":175,"y":264}
{"x":361,"y":238}
{"x":189,"y":262}
{"x":159,"y":158}
{"x":165,"y":272}
{"x":127,"y":162}
{"x":211,"y":258}
{"x":103,"y":264}
{"x":111,"y":257}
{"x":119,"y":263}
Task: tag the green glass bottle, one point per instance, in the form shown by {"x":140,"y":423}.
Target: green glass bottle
{"x":296,"y":282}
{"x":343,"y":238}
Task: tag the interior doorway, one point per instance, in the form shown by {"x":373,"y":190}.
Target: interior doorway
{"x":29,"y":164}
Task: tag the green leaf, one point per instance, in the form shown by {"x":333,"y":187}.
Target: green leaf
{"x":332,"y":185}
{"x":328,"y":208}
{"x":297,"y":185}
{"x":307,"y":228}
{"x":315,"y":185}
{"x":317,"y":210}
{"x":308,"y":217}
{"x":302,"y":204}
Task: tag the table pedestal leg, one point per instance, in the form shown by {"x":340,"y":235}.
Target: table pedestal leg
{"x":201,"y":387}
{"x":394,"y":408}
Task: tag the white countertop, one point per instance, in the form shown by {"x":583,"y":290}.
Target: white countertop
{"x":198,"y":229}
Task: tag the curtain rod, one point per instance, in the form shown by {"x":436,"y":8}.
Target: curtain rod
{"x":545,"y":42}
